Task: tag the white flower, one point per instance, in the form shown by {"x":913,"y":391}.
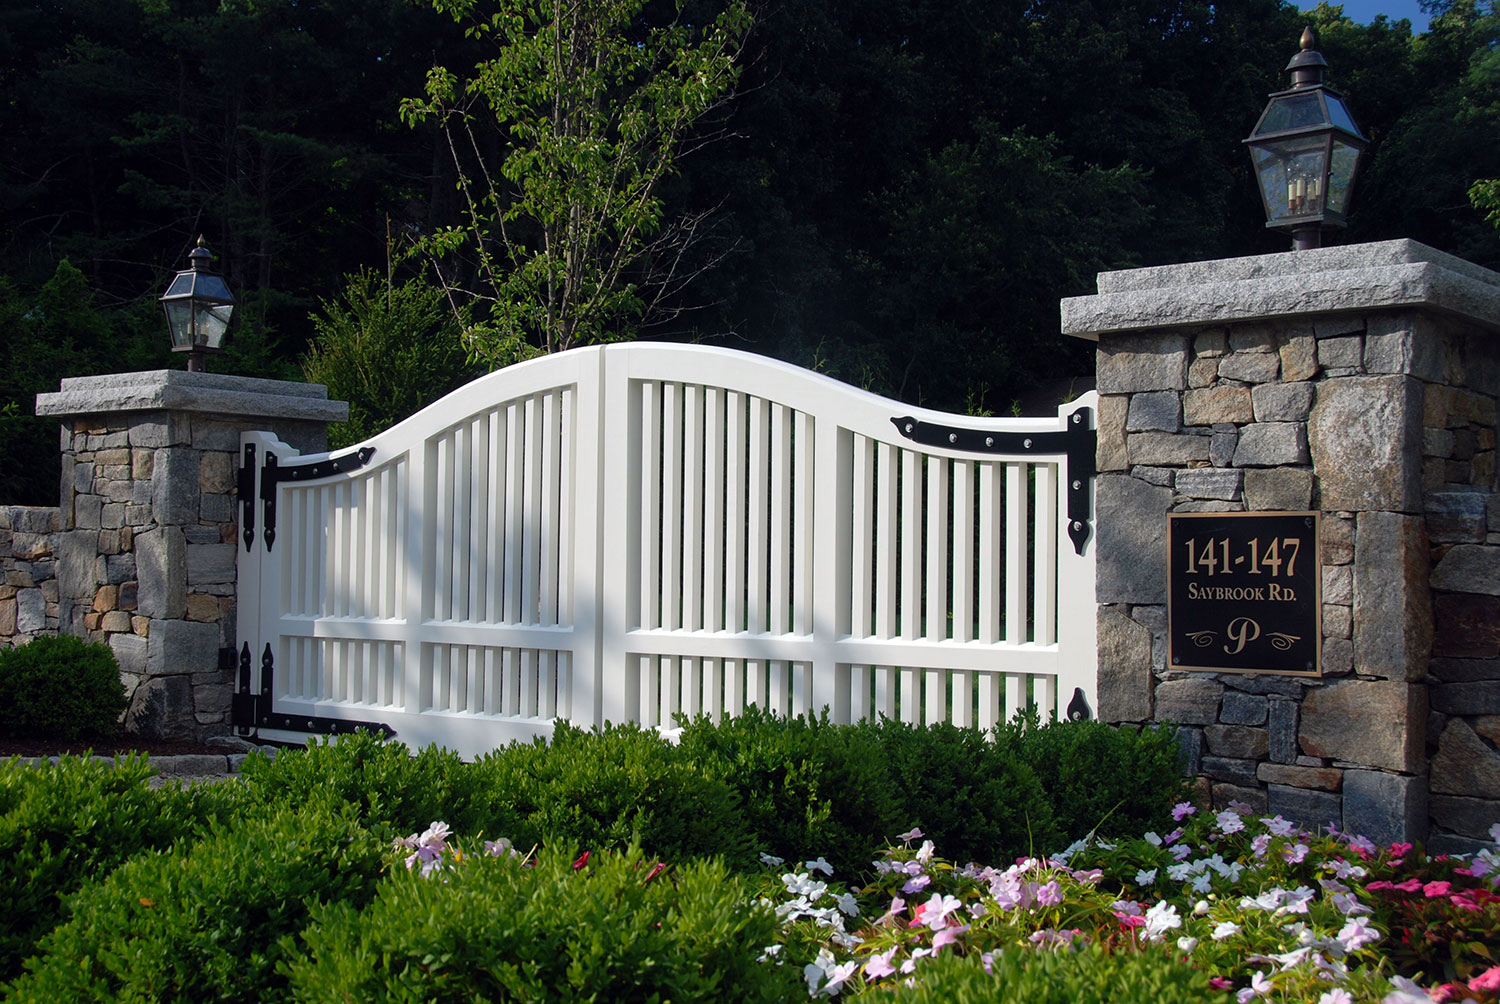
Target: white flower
{"x":1200,"y":908}
{"x":1259,"y":986}
{"x":1153,"y":839}
{"x":770,"y":859}
{"x":1406,"y":992}
{"x":1230,"y":821}
{"x":1144,"y":877}
{"x":1160,"y":919}
{"x":848,"y":904}
{"x":1357,"y":933}
{"x":1337,"y":995}
{"x":820,"y":865}
{"x":1187,"y":944}
{"x":1225,"y":929}
{"x":1280,"y":827}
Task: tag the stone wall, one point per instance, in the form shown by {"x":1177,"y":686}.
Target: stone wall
{"x":28,"y":573}
{"x":1334,"y":381}
{"x":146,"y":534}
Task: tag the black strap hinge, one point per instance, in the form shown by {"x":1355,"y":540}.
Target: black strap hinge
{"x":274,"y":472}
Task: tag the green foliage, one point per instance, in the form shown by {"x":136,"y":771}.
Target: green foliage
{"x":384,"y":783}
{"x":973,"y":798}
{"x":60,"y":687}
{"x":64,"y":825}
{"x":608,"y":790}
{"x":588,"y":104}
{"x":492,"y":929}
{"x":388,"y":350}
{"x":1119,"y":780}
{"x":53,"y":329}
{"x":207,"y":921}
{"x":805,"y":785}
{"x":1091,"y":975}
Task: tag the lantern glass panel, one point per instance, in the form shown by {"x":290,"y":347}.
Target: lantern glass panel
{"x":1293,"y":111}
{"x":212,"y":287}
{"x":1341,"y":174}
{"x":1339,"y":115}
{"x":1291,"y":175}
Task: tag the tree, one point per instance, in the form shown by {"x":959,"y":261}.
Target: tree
{"x":560,"y":142}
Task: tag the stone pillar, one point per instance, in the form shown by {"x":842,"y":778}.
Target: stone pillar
{"x":146,"y":540}
{"x":1360,"y":382}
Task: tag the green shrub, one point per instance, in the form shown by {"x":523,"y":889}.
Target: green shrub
{"x":60,"y":687}
{"x":491,"y":929}
{"x":613,"y":788}
{"x":1092,"y":975}
{"x":974,"y":799}
{"x":208,"y":921}
{"x":387,"y":785}
{"x":1120,"y":780}
{"x":806,"y":786}
{"x":63,"y":825}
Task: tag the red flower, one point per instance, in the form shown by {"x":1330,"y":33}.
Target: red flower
{"x":583,"y":859}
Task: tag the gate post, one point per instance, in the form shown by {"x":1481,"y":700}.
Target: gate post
{"x":149,"y":527}
{"x":1358,"y":383}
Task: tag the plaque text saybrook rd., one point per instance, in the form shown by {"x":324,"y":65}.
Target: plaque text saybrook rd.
{"x":1244,"y":592}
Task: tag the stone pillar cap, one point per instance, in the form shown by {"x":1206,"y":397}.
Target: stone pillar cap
{"x":178,"y":390}
{"x":1355,"y":278}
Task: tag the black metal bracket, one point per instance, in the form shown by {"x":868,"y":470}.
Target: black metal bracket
{"x":256,"y":708}
{"x":274,"y":472}
{"x":1078,"y":707}
{"x":247,"y":494}
{"x":1078,"y":442}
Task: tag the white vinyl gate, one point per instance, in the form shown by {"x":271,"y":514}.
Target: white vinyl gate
{"x":630,"y":532}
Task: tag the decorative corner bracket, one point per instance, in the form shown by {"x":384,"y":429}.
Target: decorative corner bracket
{"x":1078,"y":442}
{"x":252,"y":711}
{"x":276,"y":472}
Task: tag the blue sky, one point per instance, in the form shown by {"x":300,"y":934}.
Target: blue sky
{"x":1364,"y":11}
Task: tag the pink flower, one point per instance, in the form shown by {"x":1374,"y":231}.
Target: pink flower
{"x":947,"y":936}
{"x":1219,"y":983}
{"x":880,"y":965}
{"x":1377,"y":886}
{"x":1410,"y":885}
{"x":583,"y":859}
{"x":1487,"y":981}
{"x":1182,"y":810}
{"x":1435,"y":889}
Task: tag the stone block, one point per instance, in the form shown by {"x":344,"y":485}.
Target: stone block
{"x":1459,"y":517}
{"x":1364,"y":435}
{"x":1243,"y":709}
{"x":1156,"y":411}
{"x":128,"y":595}
{"x":174,"y":486}
{"x":1124,"y":661}
{"x":1282,"y":402}
{"x":88,"y":511}
{"x":177,"y":646}
{"x":1338,"y":584}
{"x":142,"y":462}
{"x":161,"y":563}
{"x":1343,"y":352}
{"x":1313,"y":810}
{"x":1190,"y":701}
{"x":115,"y":622}
{"x":162,"y":708}
{"x":1278,"y":489}
{"x":1163,"y":477}
{"x":130,"y":653}
{"x":1209,"y":483}
{"x":221,"y":437}
{"x":1469,"y":568}
{"x":1299,"y":358}
{"x":1392,"y":345}
{"x":1336,"y":537}
{"x":80,"y":569}
{"x":154,"y":430}
{"x":1220,"y":404}
{"x":1338,"y":656}
{"x":1222,"y":444}
{"x":1109,"y":452}
{"x":31,"y":611}
{"x":1250,"y":367}
{"x":1127,"y":364}
{"x":1386,"y":808}
{"x":1202,"y":372}
{"x":1234,"y":771}
{"x":1392,"y":604}
{"x":1471,"y":817}
{"x":1211,"y":344}
{"x":204,"y":609}
{"x":1316,"y":778}
{"x":8,"y":615}
{"x":1252,"y":338}
{"x":1240,"y":741}
{"x":1155,"y":449}
{"x":1463,"y":670}
{"x":1132,"y":526}
{"x":1477,"y":697}
{"x":216,"y":473}
{"x":119,"y":568}
{"x":1338,"y":621}
{"x":201,"y":533}
{"x":1437,"y":443}
{"x":1272,"y":444}
{"x":1337,"y":717}
{"x":210,"y":563}
{"x":1465,"y":764}
{"x":1224,"y":794}
{"x":217,"y":508}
